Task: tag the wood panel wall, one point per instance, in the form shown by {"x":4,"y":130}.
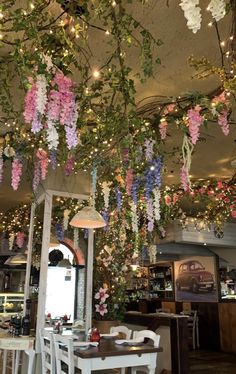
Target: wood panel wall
{"x":227,"y":318}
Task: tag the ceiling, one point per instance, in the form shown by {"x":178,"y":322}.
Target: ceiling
{"x":215,"y":152}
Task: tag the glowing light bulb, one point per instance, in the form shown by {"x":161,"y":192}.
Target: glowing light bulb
{"x":1,"y":15}
{"x":32,"y":6}
{"x":96,"y":74}
{"x":107,"y":32}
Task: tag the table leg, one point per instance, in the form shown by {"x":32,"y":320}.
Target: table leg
{"x":17,"y":361}
{"x":4,"y":365}
{"x":13,"y":362}
{"x":30,"y":361}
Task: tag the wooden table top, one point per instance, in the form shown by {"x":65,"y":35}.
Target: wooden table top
{"x":108,"y":348}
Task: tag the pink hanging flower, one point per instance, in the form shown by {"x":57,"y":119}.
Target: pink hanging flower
{"x":64,"y":83}
{"x":69,"y":166}
{"x":37,"y":175}
{"x":162,"y":128}
{"x":184,"y":177}
{"x":1,"y":165}
{"x":43,"y":159}
{"x":129,"y":181}
{"x":167,"y":200}
{"x":16,"y":173}
{"x":54,"y":105}
{"x":220,"y":185}
{"x":20,"y":237}
{"x":223,"y":121}
{"x":101,"y":295}
{"x":220,"y":98}
{"x":30,"y":104}
{"x":194,"y":121}
{"x":101,"y":309}
{"x":169,"y":108}
{"x":67,"y":107}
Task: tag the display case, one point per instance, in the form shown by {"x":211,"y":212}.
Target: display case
{"x":161,"y":281}
{"x":11,"y":303}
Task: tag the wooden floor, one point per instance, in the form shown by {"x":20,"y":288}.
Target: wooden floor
{"x":204,"y":362}
{"x":201,"y":362}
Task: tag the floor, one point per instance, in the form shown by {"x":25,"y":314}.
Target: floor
{"x":204,"y":362}
{"x":201,"y":362}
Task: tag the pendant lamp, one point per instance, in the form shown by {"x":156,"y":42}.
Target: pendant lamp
{"x":88,"y":218}
{"x":18,"y":259}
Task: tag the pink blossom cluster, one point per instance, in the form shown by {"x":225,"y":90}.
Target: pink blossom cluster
{"x":101,"y":296}
{"x":16,"y":173}
{"x":194,"y":121}
{"x":69,"y":165}
{"x":43,"y":106}
{"x":223,"y":121}
{"x":1,"y":165}
{"x":184,"y":178}
{"x":169,"y":108}
{"x":43,"y":162}
{"x":37,"y":175}
{"x":20,"y":237}
{"x":163,"y":128}
{"x":30,"y":103}
{"x":129,"y":181}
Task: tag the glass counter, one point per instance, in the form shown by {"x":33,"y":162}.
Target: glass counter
{"x":11,"y":302}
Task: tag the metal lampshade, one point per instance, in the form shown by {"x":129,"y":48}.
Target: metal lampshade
{"x":88,"y":218}
{"x":18,"y":259}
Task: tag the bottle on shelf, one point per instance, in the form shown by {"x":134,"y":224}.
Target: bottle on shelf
{"x":26,"y":319}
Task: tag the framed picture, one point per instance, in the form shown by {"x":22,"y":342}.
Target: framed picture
{"x":195,"y":279}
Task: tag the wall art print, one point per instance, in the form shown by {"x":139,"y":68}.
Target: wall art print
{"x":195,"y":279}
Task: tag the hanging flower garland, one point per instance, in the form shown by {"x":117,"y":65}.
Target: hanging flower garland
{"x":16,"y":173}
{"x":48,"y":105}
{"x":11,"y":240}
{"x":134,"y":217}
{"x":20,"y":238}
{"x":156,"y":203}
{"x":1,"y":164}
{"x":66,"y":216}
{"x":194,"y":122}
{"x":192,"y":12}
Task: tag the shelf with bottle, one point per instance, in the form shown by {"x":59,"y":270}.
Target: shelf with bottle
{"x":161,"y":280}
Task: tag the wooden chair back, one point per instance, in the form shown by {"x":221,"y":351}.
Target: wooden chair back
{"x":148,"y":334}
{"x":64,"y":358}
{"x":122,"y":330}
{"x":47,"y":352}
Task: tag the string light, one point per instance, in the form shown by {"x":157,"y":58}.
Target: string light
{"x":32,"y":6}
{"x":96,"y":74}
{"x":1,"y":15}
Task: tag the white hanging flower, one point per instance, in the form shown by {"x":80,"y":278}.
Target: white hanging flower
{"x":217,"y":9}
{"x":52,"y":136}
{"x":192,"y":13}
{"x":156,"y":204}
{"x":106,"y":193}
{"x":66,"y":215}
{"x":76,"y":237}
{"x":41,"y":97}
{"x":134,"y":217}
{"x":11,"y":240}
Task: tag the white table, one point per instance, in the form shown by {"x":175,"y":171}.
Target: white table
{"x":17,"y":345}
{"x":109,"y":355}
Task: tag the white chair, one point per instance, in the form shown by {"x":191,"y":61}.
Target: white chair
{"x":156,"y":341}
{"x":192,"y":326}
{"x":126,"y":335}
{"x":47,"y":352}
{"x":163,"y":310}
{"x":64,"y":357}
{"x":122,"y":330}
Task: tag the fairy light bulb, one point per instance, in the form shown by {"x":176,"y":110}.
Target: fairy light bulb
{"x":96,"y":74}
{"x":1,"y":15}
{"x":32,"y":6}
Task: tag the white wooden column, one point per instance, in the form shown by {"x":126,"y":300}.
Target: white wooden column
{"x":44,"y":267}
{"x":29,"y":255}
{"x":89,"y":282}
